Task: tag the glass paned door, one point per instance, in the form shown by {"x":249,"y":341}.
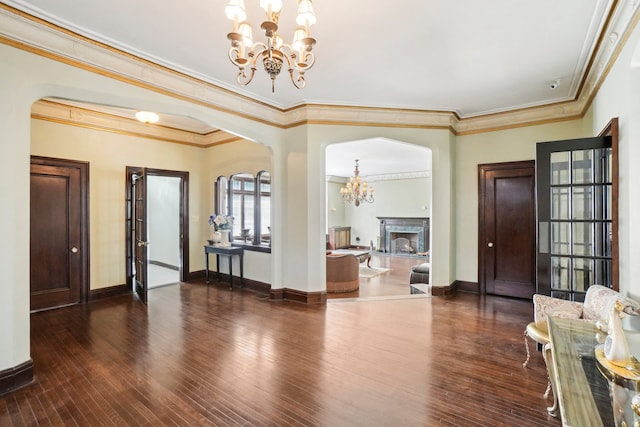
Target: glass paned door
{"x":574,"y":193}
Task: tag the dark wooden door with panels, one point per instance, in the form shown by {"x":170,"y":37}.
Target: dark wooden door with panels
{"x":506,"y":229}
{"x":59,"y":232}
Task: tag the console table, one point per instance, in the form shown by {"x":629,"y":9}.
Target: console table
{"x":583,"y":391}
{"x":229,"y":252}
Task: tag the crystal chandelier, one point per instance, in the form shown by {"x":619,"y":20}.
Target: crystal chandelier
{"x":357,"y":190}
{"x":245,"y":53}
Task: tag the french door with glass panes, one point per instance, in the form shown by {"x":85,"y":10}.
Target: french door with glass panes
{"x":575,"y":230}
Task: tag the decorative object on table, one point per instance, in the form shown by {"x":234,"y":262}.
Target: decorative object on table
{"x":616,"y":347}
{"x":245,"y":233}
{"x":222,"y":225}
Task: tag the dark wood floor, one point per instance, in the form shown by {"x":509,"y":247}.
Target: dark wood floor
{"x":202,"y":355}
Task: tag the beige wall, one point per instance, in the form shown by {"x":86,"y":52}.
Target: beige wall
{"x":108,"y":155}
{"x":618,"y":97}
{"x":493,"y":147}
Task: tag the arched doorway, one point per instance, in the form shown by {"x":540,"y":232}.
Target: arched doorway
{"x":400,"y":174}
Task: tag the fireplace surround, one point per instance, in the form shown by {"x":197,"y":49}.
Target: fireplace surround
{"x":404,"y":235}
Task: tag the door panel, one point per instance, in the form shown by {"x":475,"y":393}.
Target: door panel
{"x":140,"y":233}
{"x":55,"y":236}
{"x":575,"y":216}
{"x":507,"y":229}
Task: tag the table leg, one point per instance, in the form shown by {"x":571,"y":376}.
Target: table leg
{"x":218,"y":267}
{"x":206,"y":263}
{"x":230,"y":272}
{"x":368,"y":260}
{"x":241,"y":270}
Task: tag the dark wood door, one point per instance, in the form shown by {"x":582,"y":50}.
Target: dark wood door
{"x":507,"y":229}
{"x":58,"y":242}
{"x":139,"y":233}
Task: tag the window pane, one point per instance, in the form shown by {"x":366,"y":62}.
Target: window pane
{"x":603,"y":163}
{"x":583,"y":238}
{"x":602,"y":272}
{"x":247,"y":218}
{"x":602,"y":239}
{"x":560,"y":168}
{"x":560,"y":203}
{"x":560,"y":273}
{"x":602,"y":197}
{"x":560,"y":238}
{"x":221,"y":205}
{"x":582,"y":207}
{"x":582,"y":274}
{"x":582,"y":166}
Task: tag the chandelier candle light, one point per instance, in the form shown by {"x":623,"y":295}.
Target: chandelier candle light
{"x":245,"y":53}
{"x":357,"y":190}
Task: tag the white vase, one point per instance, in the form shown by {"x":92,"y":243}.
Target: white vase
{"x":216,"y":237}
{"x":224,"y":241}
{"x":616,"y":347}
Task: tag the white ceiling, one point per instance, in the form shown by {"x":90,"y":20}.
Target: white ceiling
{"x":467,"y":56}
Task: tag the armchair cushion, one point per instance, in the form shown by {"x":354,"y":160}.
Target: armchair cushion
{"x":545,"y":306}
{"x":596,"y":307}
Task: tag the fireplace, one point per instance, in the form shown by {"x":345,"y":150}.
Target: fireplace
{"x":404,"y":235}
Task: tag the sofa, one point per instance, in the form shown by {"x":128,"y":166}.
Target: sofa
{"x":596,"y":308}
{"x":343,"y":273}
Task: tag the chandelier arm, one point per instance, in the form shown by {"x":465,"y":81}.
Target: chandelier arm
{"x":234,"y":58}
{"x":308,"y":60}
{"x":298,"y":81}
{"x":242,"y":78}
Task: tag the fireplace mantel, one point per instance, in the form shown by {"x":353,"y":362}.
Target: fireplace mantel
{"x":399,"y":225}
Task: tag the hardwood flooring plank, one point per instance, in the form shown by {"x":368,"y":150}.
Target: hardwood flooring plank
{"x":202,"y":355}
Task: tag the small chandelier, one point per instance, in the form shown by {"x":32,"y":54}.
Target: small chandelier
{"x":245,"y":53}
{"x":357,"y":190}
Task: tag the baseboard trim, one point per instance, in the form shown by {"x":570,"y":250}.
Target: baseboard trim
{"x":265,"y":288}
{"x":444,"y":290}
{"x":108,"y":292}
{"x":165,"y":265}
{"x":14,"y":378}
{"x":464,"y":286}
{"x":300,"y":296}
{"x":256,"y":286}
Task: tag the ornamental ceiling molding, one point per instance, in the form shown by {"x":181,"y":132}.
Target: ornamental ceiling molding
{"x":384,"y":177}
{"x":26,"y":32}
{"x":55,"y":112}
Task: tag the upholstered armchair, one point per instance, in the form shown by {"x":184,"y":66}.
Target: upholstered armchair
{"x":343,"y":273}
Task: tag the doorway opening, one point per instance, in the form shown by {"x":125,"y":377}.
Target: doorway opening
{"x":400,"y":174}
{"x":157,"y":228}
{"x":163,"y":230}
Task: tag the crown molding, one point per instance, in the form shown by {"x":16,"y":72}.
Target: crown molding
{"x":383,"y":177}
{"x":55,"y":112}
{"x":23,"y":31}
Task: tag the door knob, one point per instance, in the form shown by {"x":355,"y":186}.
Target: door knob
{"x":144,"y":243}
{"x":74,"y":250}
{"x":490,"y":244}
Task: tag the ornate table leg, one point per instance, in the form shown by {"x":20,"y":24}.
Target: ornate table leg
{"x":548,"y":360}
